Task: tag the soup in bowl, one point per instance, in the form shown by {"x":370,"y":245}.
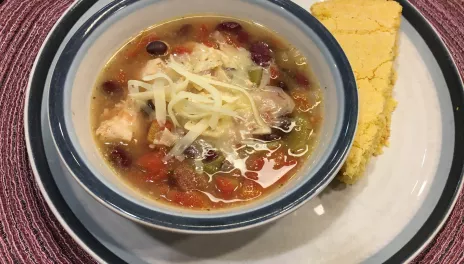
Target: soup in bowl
{"x":203,"y":123}
{"x":206,"y":112}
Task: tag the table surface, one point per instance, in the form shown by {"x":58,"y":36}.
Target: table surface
{"x":29,"y":232}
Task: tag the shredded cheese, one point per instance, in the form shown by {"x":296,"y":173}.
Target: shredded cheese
{"x":207,"y":84}
{"x":265,"y":79}
{"x":199,"y":81}
{"x":157,"y":76}
{"x":182,"y":96}
{"x":159,"y":98}
{"x":211,"y":110}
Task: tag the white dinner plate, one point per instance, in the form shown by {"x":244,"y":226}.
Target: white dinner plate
{"x":389,"y":216}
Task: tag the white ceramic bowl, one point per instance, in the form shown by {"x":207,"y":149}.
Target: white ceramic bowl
{"x":107,"y":30}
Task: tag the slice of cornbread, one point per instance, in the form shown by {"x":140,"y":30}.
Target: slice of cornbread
{"x":367,"y":30}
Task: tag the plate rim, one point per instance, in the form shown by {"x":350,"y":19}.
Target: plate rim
{"x":444,"y":58}
{"x":90,"y":244}
{"x":70,"y":223}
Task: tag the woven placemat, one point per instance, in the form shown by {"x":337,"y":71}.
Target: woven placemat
{"x":29,"y":233}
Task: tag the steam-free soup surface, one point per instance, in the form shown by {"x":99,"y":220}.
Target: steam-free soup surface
{"x":206,"y":113}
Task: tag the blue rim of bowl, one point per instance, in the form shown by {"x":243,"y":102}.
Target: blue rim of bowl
{"x":37,"y":151}
{"x":198,"y":224}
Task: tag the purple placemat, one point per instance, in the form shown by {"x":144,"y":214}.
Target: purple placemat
{"x":29,"y":233}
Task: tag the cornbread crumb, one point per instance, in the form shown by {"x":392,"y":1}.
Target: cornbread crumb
{"x":367,"y":30}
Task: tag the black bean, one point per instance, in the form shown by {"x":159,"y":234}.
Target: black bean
{"x":261,"y":54}
{"x":120,"y":157}
{"x":157,"y":48}
{"x":229,"y":27}
{"x":211,"y":155}
{"x":184,"y":30}
{"x":112,"y":88}
{"x":191,"y":152}
{"x":150,"y":104}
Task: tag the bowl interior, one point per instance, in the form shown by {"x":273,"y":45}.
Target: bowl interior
{"x":124,"y":23}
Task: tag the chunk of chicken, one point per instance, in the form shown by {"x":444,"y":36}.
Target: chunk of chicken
{"x":205,"y":58}
{"x":158,"y":66}
{"x":120,"y":123}
{"x":152,"y":67}
{"x":273,"y":102}
{"x":236,"y":58}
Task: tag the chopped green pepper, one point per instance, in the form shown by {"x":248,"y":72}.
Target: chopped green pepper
{"x":255,"y":75}
{"x":298,"y":137}
{"x":214,"y":166}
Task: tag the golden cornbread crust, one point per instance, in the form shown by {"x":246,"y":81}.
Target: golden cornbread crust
{"x":367,"y":30}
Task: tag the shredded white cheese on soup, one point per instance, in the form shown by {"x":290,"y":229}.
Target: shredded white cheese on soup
{"x":210,"y":96}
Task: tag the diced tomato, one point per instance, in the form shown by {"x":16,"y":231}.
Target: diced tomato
{"x":141,"y":45}
{"x":255,"y":162}
{"x":181,"y":50}
{"x":274,"y":72}
{"x":301,"y":79}
{"x":190,"y":199}
{"x":153,"y":163}
{"x":250,"y":189}
{"x":226,"y":185}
